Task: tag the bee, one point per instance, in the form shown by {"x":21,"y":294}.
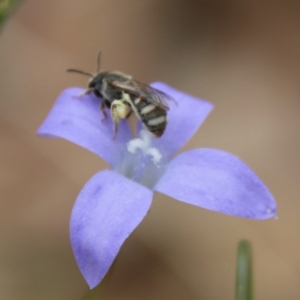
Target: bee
{"x":122,"y":95}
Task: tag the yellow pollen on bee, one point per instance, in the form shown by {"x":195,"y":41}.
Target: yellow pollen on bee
{"x":125,"y":97}
{"x":119,"y":109}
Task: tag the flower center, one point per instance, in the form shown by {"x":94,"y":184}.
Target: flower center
{"x":141,"y":162}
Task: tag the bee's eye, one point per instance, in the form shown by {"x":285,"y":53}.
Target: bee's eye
{"x":92,"y":84}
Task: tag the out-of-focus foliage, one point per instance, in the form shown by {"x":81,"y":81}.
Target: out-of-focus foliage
{"x":6,"y":8}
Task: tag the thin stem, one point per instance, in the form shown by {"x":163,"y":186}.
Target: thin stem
{"x":244,"y":272}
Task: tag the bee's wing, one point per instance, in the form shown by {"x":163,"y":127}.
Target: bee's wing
{"x":144,"y":91}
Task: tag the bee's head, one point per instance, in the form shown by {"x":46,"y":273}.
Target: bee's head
{"x":96,"y":84}
{"x":96,"y":81}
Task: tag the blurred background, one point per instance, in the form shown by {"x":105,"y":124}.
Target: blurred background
{"x":242,"y":56}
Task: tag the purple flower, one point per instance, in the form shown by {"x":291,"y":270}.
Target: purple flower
{"x":115,"y":201}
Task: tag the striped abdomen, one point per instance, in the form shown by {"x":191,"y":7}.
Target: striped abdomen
{"x":153,"y":117}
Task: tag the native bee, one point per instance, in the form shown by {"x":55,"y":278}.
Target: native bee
{"x":123,"y":95}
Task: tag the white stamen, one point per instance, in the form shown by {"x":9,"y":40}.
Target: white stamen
{"x":143,"y":144}
{"x":135,"y":144}
{"x":156,"y":155}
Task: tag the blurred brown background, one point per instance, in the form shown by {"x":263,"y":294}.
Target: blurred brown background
{"x":244,"y":57}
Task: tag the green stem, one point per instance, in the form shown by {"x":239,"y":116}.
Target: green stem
{"x":244,"y":272}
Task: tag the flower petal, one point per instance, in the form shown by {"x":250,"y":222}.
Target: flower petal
{"x":218,"y":181}
{"x":183,"y":120}
{"x":78,"y":119}
{"x":106,"y":211}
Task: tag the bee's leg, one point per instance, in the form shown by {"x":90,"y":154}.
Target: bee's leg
{"x":119,"y":109}
{"x":116,"y":121}
{"x":116,"y":125}
{"x":114,"y":111}
{"x":86,"y":92}
{"x":102,"y":108}
{"x":128,"y":114}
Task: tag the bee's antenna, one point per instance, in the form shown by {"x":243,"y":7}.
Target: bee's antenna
{"x":80,"y":72}
{"x":98,"y":62}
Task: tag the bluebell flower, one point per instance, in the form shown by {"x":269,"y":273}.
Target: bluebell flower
{"x":115,"y":201}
